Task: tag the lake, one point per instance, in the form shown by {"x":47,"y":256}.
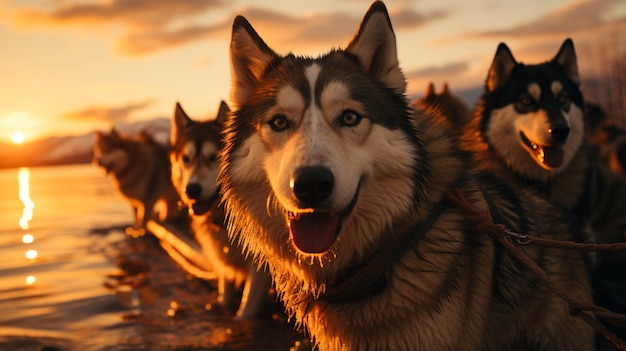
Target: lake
{"x":70,"y":279}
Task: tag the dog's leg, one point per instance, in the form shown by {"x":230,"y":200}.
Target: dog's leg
{"x":227,"y":293}
{"x":255,"y":293}
{"x":140,"y":216}
{"x":148,"y":208}
{"x":173,"y":209}
{"x":135,"y":208}
{"x":136,"y":230}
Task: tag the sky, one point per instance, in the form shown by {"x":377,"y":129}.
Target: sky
{"x":72,"y":67}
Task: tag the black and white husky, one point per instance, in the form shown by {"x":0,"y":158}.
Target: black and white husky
{"x":330,"y":179}
{"x":193,"y":156}
{"x":530,"y":124}
{"x":530,"y":127}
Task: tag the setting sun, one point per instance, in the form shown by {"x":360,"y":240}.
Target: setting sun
{"x":17,"y":137}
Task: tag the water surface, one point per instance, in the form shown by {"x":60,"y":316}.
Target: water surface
{"x":70,"y":279}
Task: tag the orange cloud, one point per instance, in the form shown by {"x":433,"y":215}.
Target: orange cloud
{"x":129,"y":13}
{"x":113,"y":115}
{"x":572,"y":18}
{"x":151,"y":25}
{"x":438,"y":71}
{"x":322,"y":28}
{"x":145,"y":42}
{"x":146,"y":22}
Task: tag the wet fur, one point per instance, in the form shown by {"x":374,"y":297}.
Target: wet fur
{"x":139,"y":169}
{"x":456,"y":289}
{"x":194,"y":147}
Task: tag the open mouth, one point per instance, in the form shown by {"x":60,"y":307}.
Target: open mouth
{"x":199,"y":207}
{"x":550,"y":156}
{"x":315,"y":232}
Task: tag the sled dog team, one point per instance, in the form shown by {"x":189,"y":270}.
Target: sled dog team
{"x":320,"y":178}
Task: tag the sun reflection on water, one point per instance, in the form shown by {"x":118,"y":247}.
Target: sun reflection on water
{"x":31,"y":254}
{"x":23,"y":177}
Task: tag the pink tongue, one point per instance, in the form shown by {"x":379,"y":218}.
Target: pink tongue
{"x":314,"y":232}
{"x":552,"y":156}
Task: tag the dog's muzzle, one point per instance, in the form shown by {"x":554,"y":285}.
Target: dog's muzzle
{"x":549,"y":155}
{"x":198,"y":205}
{"x":311,"y":186}
{"x":314,"y":232}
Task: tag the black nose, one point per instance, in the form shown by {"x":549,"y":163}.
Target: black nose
{"x":312,"y":185}
{"x":559,"y":132}
{"x":193,"y":190}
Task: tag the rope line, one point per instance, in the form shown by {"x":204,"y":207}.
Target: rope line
{"x":586,"y":311}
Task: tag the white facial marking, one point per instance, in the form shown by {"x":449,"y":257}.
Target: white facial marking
{"x":314,"y":139}
{"x":535,"y":91}
{"x":334,"y":93}
{"x":209,"y":150}
{"x":189,"y":150}
{"x":311,"y":73}
{"x":556,"y":88}
{"x":289,"y":99}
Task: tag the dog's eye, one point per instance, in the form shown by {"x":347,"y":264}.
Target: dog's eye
{"x":562,"y":98}
{"x":350,"y":118}
{"x":526,"y":100}
{"x":212,"y":158}
{"x":186,"y":159}
{"x":279,"y":123}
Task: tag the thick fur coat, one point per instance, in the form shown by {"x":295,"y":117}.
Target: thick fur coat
{"x":324,"y":165}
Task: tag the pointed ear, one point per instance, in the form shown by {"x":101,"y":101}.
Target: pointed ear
{"x":430,"y":91}
{"x":446,"y":89}
{"x":566,"y":57}
{"x":180,"y":121}
{"x":375,"y":46}
{"x":501,"y":67}
{"x":249,"y":56}
{"x":222,"y":113}
{"x":114,"y":133}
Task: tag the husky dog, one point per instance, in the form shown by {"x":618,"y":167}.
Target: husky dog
{"x":139,"y":169}
{"x":193,"y":156}
{"x":608,"y":144}
{"x":450,"y":106}
{"x":608,"y":140}
{"x":332,"y":180}
{"x":530,"y":127}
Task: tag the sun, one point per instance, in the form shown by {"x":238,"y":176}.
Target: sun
{"x":17,"y":137}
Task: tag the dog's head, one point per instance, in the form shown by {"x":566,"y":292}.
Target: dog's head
{"x":319,"y":152}
{"x":607,"y":138}
{"x":193,"y":158}
{"x":449,"y":105}
{"x":111,"y":151}
{"x":533,"y":114}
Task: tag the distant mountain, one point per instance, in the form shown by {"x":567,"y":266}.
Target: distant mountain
{"x":72,"y":149}
{"x":78,"y":149}
{"x":470,"y":96}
